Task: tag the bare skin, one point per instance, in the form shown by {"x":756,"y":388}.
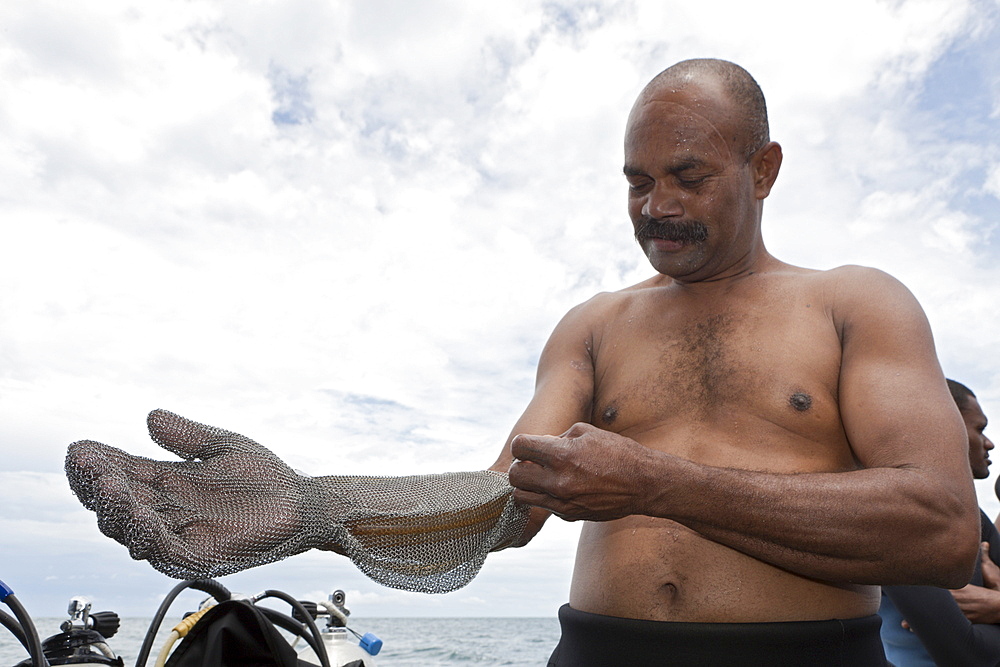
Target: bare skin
{"x":980,"y":445}
{"x":745,"y":439}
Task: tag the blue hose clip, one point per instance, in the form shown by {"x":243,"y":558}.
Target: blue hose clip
{"x":6,"y":591}
{"x":371,"y":643}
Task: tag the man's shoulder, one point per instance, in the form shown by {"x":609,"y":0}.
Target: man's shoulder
{"x":611,"y":298}
{"x":845,"y":272}
{"x":604,"y":304}
{"x":861,"y":282}
{"x":603,"y":307}
{"x":850,"y":272}
{"x":862,"y":297}
{"x":849,"y":282}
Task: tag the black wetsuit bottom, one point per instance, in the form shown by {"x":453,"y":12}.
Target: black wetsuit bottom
{"x":593,"y":640}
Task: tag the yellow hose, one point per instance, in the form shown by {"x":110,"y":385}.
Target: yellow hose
{"x":180,"y":630}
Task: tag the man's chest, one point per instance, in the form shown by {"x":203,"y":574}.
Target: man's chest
{"x":723,"y":369}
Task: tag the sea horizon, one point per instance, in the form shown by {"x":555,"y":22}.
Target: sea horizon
{"x":408,"y":641}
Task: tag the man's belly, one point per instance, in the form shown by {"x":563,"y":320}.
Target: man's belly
{"x":656,"y":569}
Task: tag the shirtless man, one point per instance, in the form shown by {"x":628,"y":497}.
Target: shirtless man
{"x":747,"y":441}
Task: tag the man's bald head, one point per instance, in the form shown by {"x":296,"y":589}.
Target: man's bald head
{"x":735,"y":82}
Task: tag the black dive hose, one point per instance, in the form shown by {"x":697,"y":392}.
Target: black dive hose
{"x":28,"y":635}
{"x":286,"y":622}
{"x":317,"y":644}
{"x":210,"y":586}
{"x":11,"y":624}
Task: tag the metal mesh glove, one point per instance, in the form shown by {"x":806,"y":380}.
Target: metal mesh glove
{"x":231,"y":504}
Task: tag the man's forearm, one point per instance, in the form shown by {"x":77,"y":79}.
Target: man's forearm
{"x":838,"y":526}
{"x":833,"y":526}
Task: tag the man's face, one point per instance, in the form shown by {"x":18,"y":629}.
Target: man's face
{"x":979,"y":444}
{"x":691,"y":196}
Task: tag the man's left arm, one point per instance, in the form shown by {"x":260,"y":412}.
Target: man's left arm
{"x":913,"y":478}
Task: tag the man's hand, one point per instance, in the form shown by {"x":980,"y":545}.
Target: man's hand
{"x":228,"y":505}
{"x":981,"y":604}
{"x":584,"y":474}
{"x":991,"y":573}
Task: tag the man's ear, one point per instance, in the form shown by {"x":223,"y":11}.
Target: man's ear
{"x":766,"y":163}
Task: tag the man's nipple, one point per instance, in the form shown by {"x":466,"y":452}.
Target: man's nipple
{"x":800,"y":401}
{"x":610,"y":415}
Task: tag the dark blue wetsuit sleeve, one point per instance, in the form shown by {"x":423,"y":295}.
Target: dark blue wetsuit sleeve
{"x":943,"y":629}
{"x":991,"y":535}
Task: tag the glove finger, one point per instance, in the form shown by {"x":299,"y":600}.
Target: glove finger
{"x":95,"y":470}
{"x":189,"y":439}
{"x":157,"y":533}
{"x":126,"y":492}
{"x":112,"y":483}
{"x":91,"y":458}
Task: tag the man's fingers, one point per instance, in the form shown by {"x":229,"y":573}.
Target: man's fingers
{"x":991,"y":573}
{"x":529,"y":497}
{"x":542,"y":500}
{"x":538,"y":486}
{"x":527,"y":475}
{"x":578,"y":429}
{"x":537,"y":448}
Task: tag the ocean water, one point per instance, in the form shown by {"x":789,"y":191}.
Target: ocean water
{"x":407,"y":642}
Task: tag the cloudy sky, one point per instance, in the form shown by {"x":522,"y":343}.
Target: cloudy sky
{"x":346,"y":228}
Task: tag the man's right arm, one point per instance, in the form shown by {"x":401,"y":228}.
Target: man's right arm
{"x":230,"y":503}
{"x":564,"y":389}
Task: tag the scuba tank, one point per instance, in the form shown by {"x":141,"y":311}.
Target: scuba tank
{"x":227,"y":630}
{"x":82,"y":639}
{"x":344,"y":647}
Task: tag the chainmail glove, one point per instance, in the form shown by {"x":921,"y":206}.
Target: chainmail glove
{"x":231,"y":504}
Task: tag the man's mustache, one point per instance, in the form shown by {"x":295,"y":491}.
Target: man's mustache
{"x":688,"y":231}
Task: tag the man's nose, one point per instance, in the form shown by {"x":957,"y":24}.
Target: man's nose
{"x":661,"y":203}
{"x":987,"y":443}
